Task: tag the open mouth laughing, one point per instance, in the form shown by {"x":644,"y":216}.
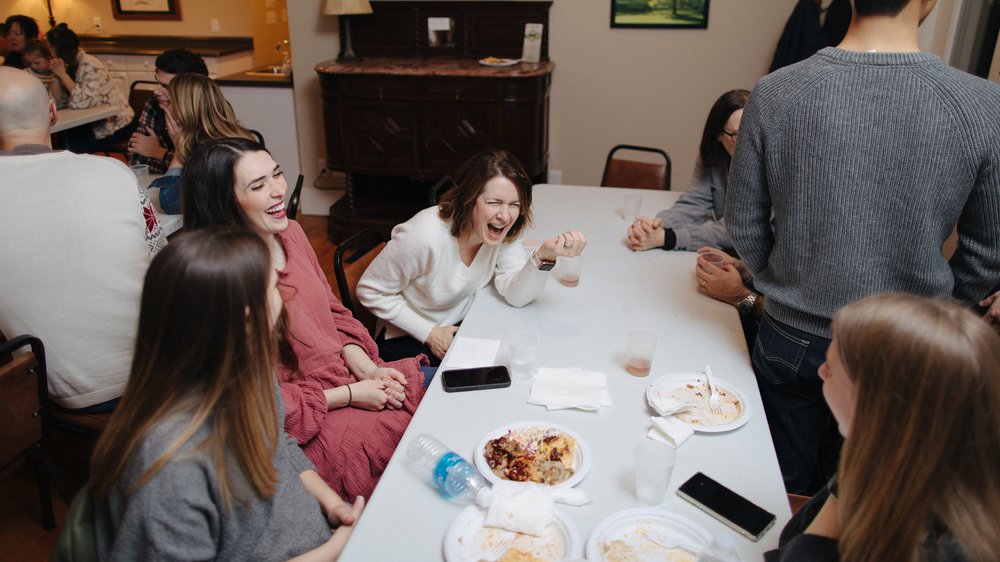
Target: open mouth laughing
{"x":277,"y":211}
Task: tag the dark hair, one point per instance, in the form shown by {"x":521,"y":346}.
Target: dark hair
{"x":711,"y":150}
{"x":457,"y":203}
{"x":36,"y":47}
{"x":66,"y":45}
{"x":879,"y":7}
{"x":207,"y":184}
{"x":28,"y":25}
{"x":181,"y":61}
{"x":209,"y":287}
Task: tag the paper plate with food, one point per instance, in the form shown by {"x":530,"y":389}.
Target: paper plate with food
{"x":497,"y":61}
{"x":469,"y":539}
{"x":533,"y":451}
{"x":684,"y":397}
{"x":643,"y":533}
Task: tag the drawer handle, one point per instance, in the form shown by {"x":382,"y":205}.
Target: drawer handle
{"x":380,"y":89}
{"x":458,"y":92}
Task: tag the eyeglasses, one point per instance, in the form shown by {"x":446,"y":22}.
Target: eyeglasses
{"x":732,"y":136}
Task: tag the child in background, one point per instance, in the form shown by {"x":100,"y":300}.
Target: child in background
{"x":36,"y":59}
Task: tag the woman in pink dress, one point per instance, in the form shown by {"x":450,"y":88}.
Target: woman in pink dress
{"x":346,"y":407}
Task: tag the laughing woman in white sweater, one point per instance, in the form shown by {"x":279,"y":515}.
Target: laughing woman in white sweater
{"x":423,"y":282}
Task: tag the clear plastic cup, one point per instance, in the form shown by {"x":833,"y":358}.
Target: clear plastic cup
{"x":631,"y":204}
{"x":523,"y":349}
{"x":654,"y":461}
{"x":640,"y":346}
{"x":569,"y":270}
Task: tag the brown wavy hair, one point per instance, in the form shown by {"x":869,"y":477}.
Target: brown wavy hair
{"x":204,"y":347}
{"x":202,"y":112}
{"x":923,"y":451}
{"x":457,"y":203}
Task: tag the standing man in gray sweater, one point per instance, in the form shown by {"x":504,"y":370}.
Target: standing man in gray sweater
{"x":851,"y":170}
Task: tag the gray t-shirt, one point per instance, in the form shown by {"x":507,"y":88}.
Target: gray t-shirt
{"x":179,"y":514}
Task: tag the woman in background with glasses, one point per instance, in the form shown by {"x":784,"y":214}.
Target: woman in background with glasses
{"x":696,"y":220}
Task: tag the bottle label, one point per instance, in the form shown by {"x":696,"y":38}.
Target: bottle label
{"x":443,"y":468}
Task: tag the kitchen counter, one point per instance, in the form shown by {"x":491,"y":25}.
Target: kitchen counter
{"x":253,"y":78}
{"x":154,"y":45}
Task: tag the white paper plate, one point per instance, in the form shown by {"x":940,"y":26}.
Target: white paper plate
{"x":622,"y":532}
{"x":499,"y":62}
{"x":581,"y":454}
{"x":671,"y":381}
{"x":468,"y":539}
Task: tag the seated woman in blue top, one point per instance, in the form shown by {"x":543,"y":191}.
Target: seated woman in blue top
{"x":914,"y":385}
{"x":697,"y":218}
{"x":198,"y":112}
{"x":194,"y":464}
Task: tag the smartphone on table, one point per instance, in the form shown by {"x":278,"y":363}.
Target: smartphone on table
{"x":478,"y":378}
{"x":739,"y":513}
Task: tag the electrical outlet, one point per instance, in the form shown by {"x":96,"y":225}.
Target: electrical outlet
{"x":214,"y":24}
{"x":98,"y":25}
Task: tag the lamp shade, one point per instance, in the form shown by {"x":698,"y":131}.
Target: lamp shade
{"x":344,"y":7}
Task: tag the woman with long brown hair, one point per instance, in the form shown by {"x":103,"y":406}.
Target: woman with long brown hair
{"x":914,"y":385}
{"x":198,"y":113}
{"x":194,"y":463}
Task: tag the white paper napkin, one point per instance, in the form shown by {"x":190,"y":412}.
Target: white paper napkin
{"x":467,"y":352}
{"x":558,"y":389}
{"x":522,"y":507}
{"x":666,"y":430}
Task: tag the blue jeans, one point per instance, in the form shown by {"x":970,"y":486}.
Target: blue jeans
{"x":786,"y":362}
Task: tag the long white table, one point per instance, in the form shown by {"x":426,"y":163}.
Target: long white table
{"x":169,"y":223}
{"x":585,"y":327}
{"x":69,"y":118}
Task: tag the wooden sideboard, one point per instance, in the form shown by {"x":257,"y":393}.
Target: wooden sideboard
{"x":398,"y":122}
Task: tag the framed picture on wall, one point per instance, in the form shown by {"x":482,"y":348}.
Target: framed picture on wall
{"x":690,"y":14}
{"x":146,"y":9}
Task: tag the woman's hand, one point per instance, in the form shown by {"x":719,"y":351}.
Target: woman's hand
{"x":440,"y":340}
{"x":721,"y":283}
{"x":992,"y":316}
{"x":376,"y":394}
{"x":173,"y":128}
{"x":58,"y":67}
{"x":345,"y":513}
{"x":646,"y":234}
{"x":568,"y":244}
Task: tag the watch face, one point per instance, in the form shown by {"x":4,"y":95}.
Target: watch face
{"x":546,"y":265}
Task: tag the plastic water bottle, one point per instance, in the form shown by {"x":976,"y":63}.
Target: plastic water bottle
{"x":721,"y":549}
{"x":452,"y":476}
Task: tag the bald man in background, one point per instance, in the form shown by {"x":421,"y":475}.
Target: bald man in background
{"x":78,"y":234}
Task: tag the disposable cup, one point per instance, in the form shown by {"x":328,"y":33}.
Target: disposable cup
{"x":654,"y":461}
{"x":141,"y":171}
{"x":718,"y":260}
{"x":631,"y":205}
{"x":640,"y":345}
{"x":569,"y":270}
{"x":523,"y":349}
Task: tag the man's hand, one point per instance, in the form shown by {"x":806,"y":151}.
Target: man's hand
{"x":145,"y":144}
{"x":646,"y":234}
{"x":992,"y":316}
{"x":440,"y":340}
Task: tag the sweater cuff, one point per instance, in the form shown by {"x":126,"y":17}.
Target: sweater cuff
{"x":669,"y":239}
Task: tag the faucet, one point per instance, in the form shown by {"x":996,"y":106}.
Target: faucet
{"x":283,"y":47}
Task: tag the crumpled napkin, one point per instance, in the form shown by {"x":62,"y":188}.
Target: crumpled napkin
{"x":666,"y":430}
{"x":526,"y":507}
{"x":558,"y":389}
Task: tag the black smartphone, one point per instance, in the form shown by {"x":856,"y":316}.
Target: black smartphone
{"x":479,"y":378}
{"x":744,"y":516}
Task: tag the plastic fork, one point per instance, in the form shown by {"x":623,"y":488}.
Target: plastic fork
{"x":571,"y":496}
{"x":713,"y":399}
{"x":493,"y":553}
{"x":667,"y":541}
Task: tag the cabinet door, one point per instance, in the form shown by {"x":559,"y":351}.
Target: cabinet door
{"x":454,"y":132}
{"x":379,"y":137}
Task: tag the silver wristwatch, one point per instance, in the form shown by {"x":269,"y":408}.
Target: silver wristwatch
{"x":746,"y":305}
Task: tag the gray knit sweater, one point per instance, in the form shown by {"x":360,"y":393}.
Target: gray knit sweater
{"x":867,"y":162}
{"x":179,"y":515}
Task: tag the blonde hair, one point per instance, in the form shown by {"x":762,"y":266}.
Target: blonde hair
{"x":923,"y":451}
{"x":201,"y":112}
{"x":205,"y":348}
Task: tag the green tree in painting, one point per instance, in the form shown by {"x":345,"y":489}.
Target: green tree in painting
{"x":661,"y":12}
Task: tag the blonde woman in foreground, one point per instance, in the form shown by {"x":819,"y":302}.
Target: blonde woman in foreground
{"x":194,"y":465}
{"x":914,"y":385}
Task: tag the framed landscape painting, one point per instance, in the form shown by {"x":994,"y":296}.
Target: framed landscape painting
{"x":146,"y":9}
{"x":690,"y":14}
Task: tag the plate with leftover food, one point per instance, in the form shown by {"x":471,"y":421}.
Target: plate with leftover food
{"x":646,"y":534}
{"x":691,"y":389}
{"x":533,"y":451}
{"x":468,"y":539}
{"x":496,"y":61}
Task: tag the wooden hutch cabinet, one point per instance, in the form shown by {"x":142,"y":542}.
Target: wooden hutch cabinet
{"x":414,"y":109}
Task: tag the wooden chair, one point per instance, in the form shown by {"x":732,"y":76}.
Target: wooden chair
{"x":363,"y":246}
{"x":24,"y":418}
{"x":292,"y":207}
{"x":631,"y":173}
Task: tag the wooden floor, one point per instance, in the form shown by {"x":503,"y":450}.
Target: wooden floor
{"x":21,"y":534}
